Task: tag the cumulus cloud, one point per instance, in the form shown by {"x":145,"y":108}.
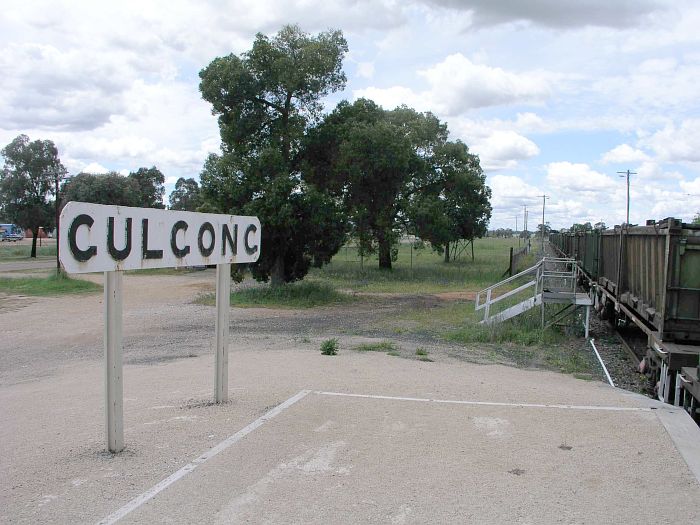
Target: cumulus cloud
{"x":510,"y":192}
{"x":677,"y":143}
{"x":503,"y":149}
{"x":95,"y":168}
{"x":555,"y":13}
{"x":662,"y":84}
{"x":456,"y":84}
{"x":577,"y":177}
{"x":624,"y":153}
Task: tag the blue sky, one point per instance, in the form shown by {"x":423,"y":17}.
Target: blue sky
{"x":555,"y":97}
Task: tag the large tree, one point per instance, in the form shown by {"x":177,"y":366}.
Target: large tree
{"x":454,"y":205}
{"x":186,"y":195}
{"x":108,"y":188}
{"x":376,"y":162}
{"x":142,"y":188}
{"x":29,"y":177}
{"x":150,"y":182}
{"x":265,"y":100}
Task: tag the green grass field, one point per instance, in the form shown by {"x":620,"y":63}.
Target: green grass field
{"x":419,"y":271}
{"x":294,"y":295}
{"x":47,"y":286}
{"x":10,"y":251}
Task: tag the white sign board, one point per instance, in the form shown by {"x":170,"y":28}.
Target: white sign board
{"x":100,"y":238}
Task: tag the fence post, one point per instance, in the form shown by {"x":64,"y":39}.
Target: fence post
{"x":510,"y":268}
{"x":488,"y":304}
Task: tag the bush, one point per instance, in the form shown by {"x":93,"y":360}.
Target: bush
{"x":329,"y":347}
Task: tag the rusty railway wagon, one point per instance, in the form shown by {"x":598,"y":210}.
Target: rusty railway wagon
{"x":649,"y":275}
{"x":652,"y":272}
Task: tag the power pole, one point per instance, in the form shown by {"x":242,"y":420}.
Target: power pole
{"x":525,"y":219}
{"x":516,"y":230}
{"x":544,"y":199}
{"x":623,"y":174}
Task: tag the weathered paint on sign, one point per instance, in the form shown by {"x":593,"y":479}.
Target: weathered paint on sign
{"x":100,"y":238}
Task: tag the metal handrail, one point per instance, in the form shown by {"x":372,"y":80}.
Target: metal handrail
{"x":539,"y":282}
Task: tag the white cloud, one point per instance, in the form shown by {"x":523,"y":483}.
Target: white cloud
{"x":577,"y":177}
{"x":94,"y":168}
{"x":510,"y":192}
{"x":676,"y":143}
{"x":624,"y":153}
{"x":457,"y":85}
{"x":502,"y":149}
{"x":692,"y":187}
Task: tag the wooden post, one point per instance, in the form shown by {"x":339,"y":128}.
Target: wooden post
{"x":114,"y":404}
{"x":510,"y":267}
{"x":223,"y":306}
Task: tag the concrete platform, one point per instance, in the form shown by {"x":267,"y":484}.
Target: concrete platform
{"x":355,"y":438}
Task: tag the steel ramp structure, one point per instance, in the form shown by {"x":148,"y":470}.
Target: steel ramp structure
{"x":550,"y":281}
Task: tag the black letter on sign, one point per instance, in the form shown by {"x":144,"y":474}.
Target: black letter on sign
{"x":145,"y":252}
{"x":227,"y":239}
{"x":118,"y":255}
{"x":80,"y":255}
{"x":250,"y":250}
{"x":206,"y":227}
{"x":179,"y":253}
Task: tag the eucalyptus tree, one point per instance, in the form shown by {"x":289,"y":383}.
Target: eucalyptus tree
{"x":266,"y":99}
{"x":31,"y":174}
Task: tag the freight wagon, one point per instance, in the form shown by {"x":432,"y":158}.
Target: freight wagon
{"x":652,"y":272}
{"x":649,"y":275}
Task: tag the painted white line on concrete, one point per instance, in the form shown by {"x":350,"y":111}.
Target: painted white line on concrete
{"x":489,"y":403}
{"x":159,"y":487}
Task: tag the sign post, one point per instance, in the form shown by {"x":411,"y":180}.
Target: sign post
{"x":114,"y":397}
{"x":223,"y":303}
{"x":110,"y":239}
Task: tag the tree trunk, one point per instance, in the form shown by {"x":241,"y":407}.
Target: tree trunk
{"x":35,"y":234}
{"x":472,"y":241}
{"x":277,"y":273}
{"x":384,"y":253}
{"x":447,"y":252}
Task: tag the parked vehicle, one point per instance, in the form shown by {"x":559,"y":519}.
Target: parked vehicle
{"x":11,"y":233}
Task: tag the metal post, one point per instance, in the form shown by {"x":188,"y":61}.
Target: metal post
{"x":114,"y":397}
{"x":588,"y":316}
{"x":223,"y":304}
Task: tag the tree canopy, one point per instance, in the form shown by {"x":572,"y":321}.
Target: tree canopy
{"x":395,"y":171}
{"x":265,"y":101}
{"x":142,"y":188}
{"x":29,"y":177}
{"x":186,"y":195}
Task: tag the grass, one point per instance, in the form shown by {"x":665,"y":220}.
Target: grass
{"x":47,"y":286}
{"x":519,"y":341}
{"x":419,"y":271}
{"x":383,"y":346}
{"x":295,"y":295}
{"x":13,"y":251}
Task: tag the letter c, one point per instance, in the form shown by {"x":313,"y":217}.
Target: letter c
{"x":250,"y":250}
{"x":80,"y":255}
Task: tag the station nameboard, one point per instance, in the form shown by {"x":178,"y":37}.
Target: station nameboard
{"x":101,"y":238}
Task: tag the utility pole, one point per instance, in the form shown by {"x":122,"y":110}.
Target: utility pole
{"x":516,"y":230}
{"x":525,"y":219}
{"x":627,"y":173}
{"x":544,"y":199}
